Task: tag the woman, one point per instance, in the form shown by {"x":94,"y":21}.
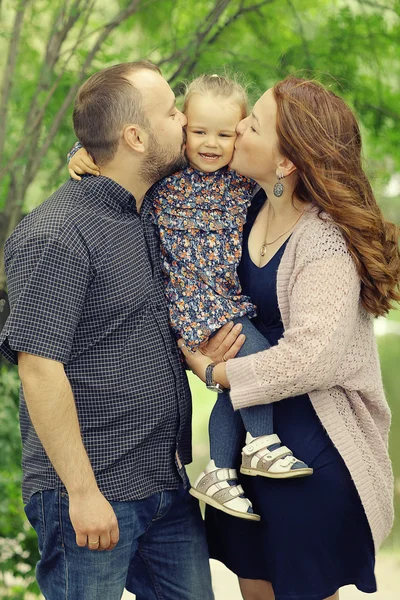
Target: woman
{"x":319,"y":261}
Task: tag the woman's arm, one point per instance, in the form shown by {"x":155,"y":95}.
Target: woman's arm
{"x":324,"y":306}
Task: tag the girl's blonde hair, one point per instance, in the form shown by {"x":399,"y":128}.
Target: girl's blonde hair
{"x":216,"y":86}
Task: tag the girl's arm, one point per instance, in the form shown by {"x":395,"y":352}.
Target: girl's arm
{"x":80,"y":162}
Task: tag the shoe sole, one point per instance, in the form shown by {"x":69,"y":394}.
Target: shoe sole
{"x":288,"y":475}
{"x":225,"y":509}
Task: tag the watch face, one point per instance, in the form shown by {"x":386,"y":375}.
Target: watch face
{"x":212,"y":387}
{"x":216,"y":387}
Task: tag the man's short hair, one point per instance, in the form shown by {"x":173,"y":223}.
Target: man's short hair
{"x":104,"y":104}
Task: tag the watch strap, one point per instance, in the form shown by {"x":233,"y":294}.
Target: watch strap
{"x":209,"y":375}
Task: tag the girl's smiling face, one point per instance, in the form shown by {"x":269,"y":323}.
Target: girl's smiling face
{"x":211,"y":131}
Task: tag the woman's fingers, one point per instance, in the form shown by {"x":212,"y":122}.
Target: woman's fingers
{"x":208,"y":348}
{"x":225,"y":343}
{"x":196,"y":361}
{"x":184,"y":349}
{"x":234,"y":349}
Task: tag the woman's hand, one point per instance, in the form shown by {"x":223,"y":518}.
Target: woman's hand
{"x":198,"y":363}
{"x":82,"y":163}
{"x":224,"y":344}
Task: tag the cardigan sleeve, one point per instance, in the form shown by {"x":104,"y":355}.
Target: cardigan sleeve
{"x":324,"y":298}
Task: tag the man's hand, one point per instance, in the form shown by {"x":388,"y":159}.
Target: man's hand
{"x":94,"y":521}
{"x":225,"y":344}
{"x":52,"y":409}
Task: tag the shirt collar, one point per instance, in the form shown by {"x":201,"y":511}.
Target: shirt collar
{"x":110,"y":192}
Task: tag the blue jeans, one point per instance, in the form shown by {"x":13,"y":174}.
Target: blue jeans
{"x":161,"y":554}
{"x":227,"y":428}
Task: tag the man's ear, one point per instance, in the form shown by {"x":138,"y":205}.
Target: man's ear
{"x":135,"y":138}
{"x":286,"y":167}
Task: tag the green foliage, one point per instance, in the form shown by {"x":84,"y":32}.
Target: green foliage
{"x":351,"y":45}
{"x":389,"y":351}
{"x":18,"y":542}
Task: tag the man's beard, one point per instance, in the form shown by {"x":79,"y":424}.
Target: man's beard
{"x":162,"y":161}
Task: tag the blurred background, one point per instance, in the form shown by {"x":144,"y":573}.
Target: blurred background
{"x":47,"y":49}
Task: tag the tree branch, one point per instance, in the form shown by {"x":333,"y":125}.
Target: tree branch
{"x":242,"y":10}
{"x":9,"y":71}
{"x":37,"y":156}
{"x":31,"y":128}
{"x":302,"y":34}
{"x":118,"y":19}
{"x":58,"y":33}
{"x":384,"y":111}
{"x":378,"y":6}
{"x":189,"y":63}
{"x":210,"y":20}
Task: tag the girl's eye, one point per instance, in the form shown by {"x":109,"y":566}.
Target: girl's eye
{"x":174,"y":115}
{"x":198,"y":132}
{"x":225,"y":135}
{"x":252,"y":128}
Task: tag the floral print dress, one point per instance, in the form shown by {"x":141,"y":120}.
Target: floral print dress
{"x":200,"y":217}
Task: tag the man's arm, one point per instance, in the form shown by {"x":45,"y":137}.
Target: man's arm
{"x":52,"y":409}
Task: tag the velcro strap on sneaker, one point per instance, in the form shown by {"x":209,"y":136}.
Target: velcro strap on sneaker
{"x":260,"y":443}
{"x":226,"y":495}
{"x":279,"y":453}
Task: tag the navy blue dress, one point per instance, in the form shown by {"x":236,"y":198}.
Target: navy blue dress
{"x":313,"y":537}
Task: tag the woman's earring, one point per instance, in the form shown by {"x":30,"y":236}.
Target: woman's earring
{"x":278,"y":187}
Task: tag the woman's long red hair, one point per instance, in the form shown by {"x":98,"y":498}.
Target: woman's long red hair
{"x":318,"y":132}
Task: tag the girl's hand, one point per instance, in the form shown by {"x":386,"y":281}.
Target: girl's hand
{"x":82,"y":163}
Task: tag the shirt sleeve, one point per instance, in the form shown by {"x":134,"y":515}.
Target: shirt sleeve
{"x":47,"y":285}
{"x":77,"y":146}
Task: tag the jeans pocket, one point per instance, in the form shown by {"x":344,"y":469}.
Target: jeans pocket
{"x":35,"y":513}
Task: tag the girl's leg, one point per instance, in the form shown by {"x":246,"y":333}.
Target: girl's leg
{"x":263,"y":453}
{"x":218,"y":484}
{"x":227,"y":435}
{"x":257,"y":420}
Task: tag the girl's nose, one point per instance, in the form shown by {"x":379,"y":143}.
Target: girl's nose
{"x":211,"y":140}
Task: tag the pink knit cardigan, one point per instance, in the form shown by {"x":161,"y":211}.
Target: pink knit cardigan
{"x":328,"y":351}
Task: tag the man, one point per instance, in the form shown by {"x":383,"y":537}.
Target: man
{"x":105,"y":406}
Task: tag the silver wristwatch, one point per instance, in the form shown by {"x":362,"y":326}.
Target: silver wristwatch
{"x":210,"y":383}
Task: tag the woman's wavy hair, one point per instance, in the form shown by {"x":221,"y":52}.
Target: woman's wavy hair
{"x":318,"y":132}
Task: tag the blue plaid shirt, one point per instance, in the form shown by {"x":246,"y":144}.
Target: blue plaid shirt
{"x":85,"y":288}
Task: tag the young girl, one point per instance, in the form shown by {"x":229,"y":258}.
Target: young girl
{"x":200,"y":213}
